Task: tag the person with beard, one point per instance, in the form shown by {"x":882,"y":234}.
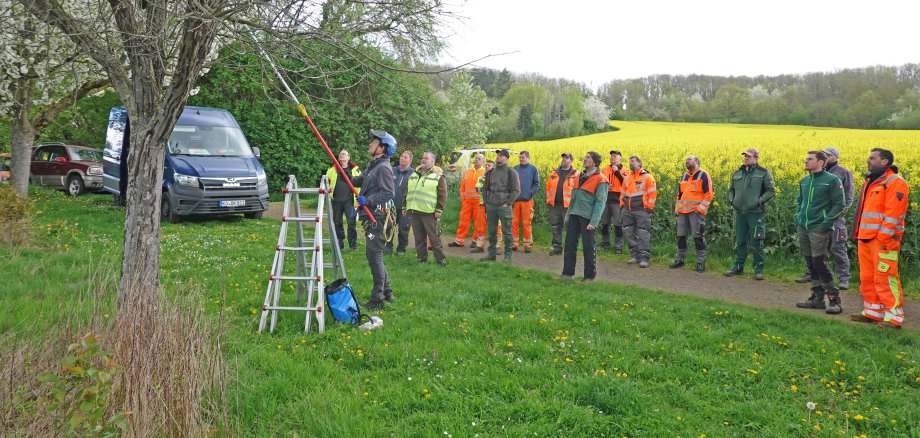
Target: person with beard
{"x":558,"y":195}
{"x":879,"y":230}
{"x":611,"y":217}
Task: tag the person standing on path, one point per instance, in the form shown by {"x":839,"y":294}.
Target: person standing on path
{"x":501,"y":187}
{"x":751,"y":188}
{"x":637,"y":201}
{"x":471,"y":211}
{"x":425,"y":192}
{"x":482,"y":242}
{"x":819,"y":204}
{"x":402,"y":222}
{"x":838,"y":240}
{"x":879,"y":230}
{"x":558,"y":196}
{"x":694,"y":195}
{"x":611,"y":217}
{"x":584,"y":215}
{"x":377,"y":192}
{"x":343,"y":201}
{"x":523,"y":205}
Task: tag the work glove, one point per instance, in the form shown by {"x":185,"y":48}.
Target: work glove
{"x":362,"y":201}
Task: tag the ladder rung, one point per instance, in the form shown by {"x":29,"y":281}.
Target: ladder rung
{"x":309,"y":190}
{"x":299,"y":309}
{"x":300,"y":248}
{"x":287,"y":277}
{"x":328,"y":266}
{"x":304,"y":218}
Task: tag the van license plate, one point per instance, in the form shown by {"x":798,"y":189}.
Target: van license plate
{"x":235,"y":203}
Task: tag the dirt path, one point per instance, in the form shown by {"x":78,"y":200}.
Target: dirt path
{"x":742,"y":290}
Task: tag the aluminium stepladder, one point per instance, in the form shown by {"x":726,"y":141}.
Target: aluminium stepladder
{"x":309,"y":277}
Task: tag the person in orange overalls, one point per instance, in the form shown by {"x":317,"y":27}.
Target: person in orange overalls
{"x":522,"y":214}
{"x":471,"y":211}
{"x":879,"y":229}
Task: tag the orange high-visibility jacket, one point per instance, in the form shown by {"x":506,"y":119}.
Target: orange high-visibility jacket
{"x":639,"y":183}
{"x":695,"y":192}
{"x":553,"y":182}
{"x":614,"y":177}
{"x":468,"y":191}
{"x":882,"y":208}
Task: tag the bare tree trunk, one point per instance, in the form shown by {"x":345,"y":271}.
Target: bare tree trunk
{"x":23,"y":136}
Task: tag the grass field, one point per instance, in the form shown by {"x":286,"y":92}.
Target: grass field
{"x":478,"y":349}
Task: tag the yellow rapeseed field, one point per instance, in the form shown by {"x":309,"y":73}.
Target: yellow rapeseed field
{"x":664,"y":146}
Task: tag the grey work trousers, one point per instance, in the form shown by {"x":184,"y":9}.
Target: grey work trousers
{"x":838,"y":249}
{"x":494,"y":214}
{"x":813,"y":244}
{"x":374,"y":249}
{"x":556,"y":218}
{"x":424,"y":230}
{"x":637,"y":225}
{"x":691,"y":224}
{"x":611,"y":217}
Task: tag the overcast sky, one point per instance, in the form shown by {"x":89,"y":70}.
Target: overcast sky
{"x":595,"y":41}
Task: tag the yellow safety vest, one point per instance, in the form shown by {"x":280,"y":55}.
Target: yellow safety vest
{"x":422,"y":193}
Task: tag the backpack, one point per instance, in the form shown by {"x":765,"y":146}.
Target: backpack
{"x":340,"y":299}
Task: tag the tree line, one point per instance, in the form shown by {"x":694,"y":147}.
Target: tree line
{"x":878,"y":97}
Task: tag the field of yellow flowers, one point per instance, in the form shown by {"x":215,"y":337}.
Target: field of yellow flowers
{"x":664,"y":146}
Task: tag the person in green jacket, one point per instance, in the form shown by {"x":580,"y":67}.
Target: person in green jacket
{"x":819,"y":204}
{"x":582,"y":218}
{"x":751,"y":188}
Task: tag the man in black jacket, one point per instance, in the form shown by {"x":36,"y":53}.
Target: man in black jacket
{"x":377,"y":191}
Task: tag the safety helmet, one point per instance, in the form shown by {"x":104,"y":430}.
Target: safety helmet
{"x":385,"y":139}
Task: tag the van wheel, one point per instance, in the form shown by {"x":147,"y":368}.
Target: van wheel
{"x":75,"y":185}
{"x":167,"y":214}
{"x":253,"y":214}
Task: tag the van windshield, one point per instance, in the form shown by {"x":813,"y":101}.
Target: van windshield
{"x":216,"y":141}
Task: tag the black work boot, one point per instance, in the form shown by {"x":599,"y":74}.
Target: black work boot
{"x":833,"y":304}
{"x":815,"y":301}
{"x":677,"y":264}
{"x":700,"y":266}
{"x":734,"y":271}
{"x":804,"y":279}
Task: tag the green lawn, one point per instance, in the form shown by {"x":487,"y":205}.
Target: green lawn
{"x":477,"y":349}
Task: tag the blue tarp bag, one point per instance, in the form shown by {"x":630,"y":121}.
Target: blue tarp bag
{"x":340,"y":299}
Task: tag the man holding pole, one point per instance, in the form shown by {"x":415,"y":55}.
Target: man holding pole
{"x":377,"y":191}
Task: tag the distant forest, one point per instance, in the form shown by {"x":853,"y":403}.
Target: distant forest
{"x":878,"y":97}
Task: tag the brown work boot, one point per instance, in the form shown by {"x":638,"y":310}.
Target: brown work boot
{"x":862,"y":318}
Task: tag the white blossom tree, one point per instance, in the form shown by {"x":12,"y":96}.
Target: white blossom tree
{"x":597,"y":112}
{"x":42,"y":72}
{"x":469,"y":107}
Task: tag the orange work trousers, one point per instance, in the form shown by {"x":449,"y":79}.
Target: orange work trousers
{"x":879,"y":283}
{"x":471,"y":212}
{"x":522,"y":217}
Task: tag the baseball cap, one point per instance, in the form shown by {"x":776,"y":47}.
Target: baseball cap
{"x":503,"y":152}
{"x":567,"y":155}
{"x":752,"y":152}
{"x":832,"y":151}
{"x":616,"y":152}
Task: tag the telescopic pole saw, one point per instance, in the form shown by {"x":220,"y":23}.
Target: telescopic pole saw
{"x":303,"y":112}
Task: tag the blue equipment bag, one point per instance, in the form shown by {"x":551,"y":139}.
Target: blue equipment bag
{"x":340,"y":299}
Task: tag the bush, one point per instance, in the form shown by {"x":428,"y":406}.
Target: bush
{"x":15,"y":221}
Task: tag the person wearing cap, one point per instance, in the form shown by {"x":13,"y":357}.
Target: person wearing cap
{"x":589,"y":197}
{"x":523,"y":206}
{"x":751,"y":187}
{"x":637,"y":200}
{"x":471,"y":211}
{"x":838,"y":240}
{"x":558,"y":195}
{"x":343,"y":200}
{"x":819,"y":204}
{"x":499,"y":190}
{"x":483,"y":240}
{"x":878,"y":228}
{"x":694,"y":194}
{"x":611,"y":216}
{"x":377,"y":192}
{"x":425,"y":192}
